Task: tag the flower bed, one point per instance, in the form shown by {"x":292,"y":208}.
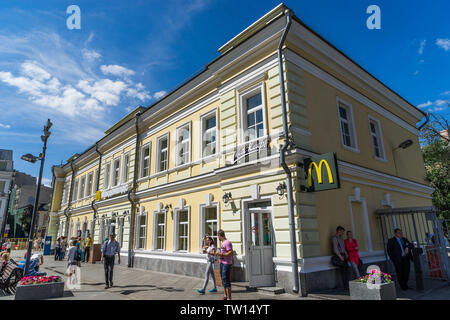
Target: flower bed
{"x":376,"y":285}
{"x":39,"y":280}
{"x":376,"y":277}
{"x":39,"y":287}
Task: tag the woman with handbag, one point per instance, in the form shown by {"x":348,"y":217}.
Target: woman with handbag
{"x":351,"y":245}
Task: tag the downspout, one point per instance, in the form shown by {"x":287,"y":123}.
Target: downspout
{"x":132,"y":190}
{"x":427,"y":115}
{"x":97,"y":183}
{"x":66,"y":231}
{"x":287,"y":143}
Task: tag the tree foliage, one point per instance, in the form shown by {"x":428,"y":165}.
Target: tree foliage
{"x":436,"y":155}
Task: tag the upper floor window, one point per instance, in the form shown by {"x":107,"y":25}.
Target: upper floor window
{"x":126,"y":168}
{"x":346,"y":122}
{"x":2,"y":186}
{"x":75,"y":190}
{"x":107,"y":174}
{"x":116,"y":172}
{"x":82,"y":186}
{"x":377,"y":139}
{"x":95,"y":181}
{"x":89,"y":185}
{"x":163,"y":153}
{"x":183,"y":155}
{"x":145,"y":161}
{"x":209,"y":134}
{"x":66,"y":192}
{"x":252,"y":113}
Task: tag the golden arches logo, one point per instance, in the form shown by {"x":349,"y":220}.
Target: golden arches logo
{"x":319,"y":172}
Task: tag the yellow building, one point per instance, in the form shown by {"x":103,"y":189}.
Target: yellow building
{"x":207,"y":157}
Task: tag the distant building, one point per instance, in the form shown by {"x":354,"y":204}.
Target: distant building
{"x":6,"y":176}
{"x":21,"y":205}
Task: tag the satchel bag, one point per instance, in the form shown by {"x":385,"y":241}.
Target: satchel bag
{"x":336,"y":261}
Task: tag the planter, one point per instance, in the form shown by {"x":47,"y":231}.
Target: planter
{"x":39,"y":291}
{"x":363,"y":291}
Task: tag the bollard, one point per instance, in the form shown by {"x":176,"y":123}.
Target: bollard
{"x":417,"y":252}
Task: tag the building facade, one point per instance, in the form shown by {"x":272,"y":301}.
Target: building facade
{"x":6,"y":177}
{"x":206,"y":157}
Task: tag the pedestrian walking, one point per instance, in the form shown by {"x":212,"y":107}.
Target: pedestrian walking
{"x":8,"y":246}
{"x":340,"y":256}
{"x":36,"y":244}
{"x":210,"y":250}
{"x":226,"y":263}
{"x":57,"y":248}
{"x":351,"y":246}
{"x":109,"y":249}
{"x":74,"y":258}
{"x":87,"y":248}
{"x":399,"y":251}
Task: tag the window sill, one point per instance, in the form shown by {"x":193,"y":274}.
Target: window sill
{"x":380,"y":159}
{"x":351,"y":148}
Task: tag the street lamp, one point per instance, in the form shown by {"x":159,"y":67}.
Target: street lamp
{"x":30,"y":158}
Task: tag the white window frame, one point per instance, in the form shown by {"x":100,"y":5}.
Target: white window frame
{"x":75,"y":189}
{"x":176,"y":228}
{"x":113,"y":175}
{"x":65,"y":197}
{"x":88,"y":190}
{"x":138,"y":230}
{"x":243,"y":112}
{"x":155,"y":230}
{"x":95,"y":186}
{"x":351,"y":124}
{"x":107,"y":175}
{"x":203,"y":118}
{"x":141,"y":165}
{"x":202,"y":221}
{"x":158,"y":152}
{"x":121,"y":223}
{"x":125,"y":168}
{"x":82,"y":187}
{"x":379,"y":137}
{"x":177,"y":145}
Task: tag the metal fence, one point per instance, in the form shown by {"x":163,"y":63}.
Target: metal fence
{"x":420,"y":226}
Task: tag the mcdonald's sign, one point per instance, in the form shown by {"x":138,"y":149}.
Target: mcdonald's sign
{"x":321,"y":172}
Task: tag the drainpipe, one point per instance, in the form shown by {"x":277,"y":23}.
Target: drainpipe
{"x":287,"y":143}
{"x":97,"y":183}
{"x":132,"y":190}
{"x":427,"y":115}
{"x":66,"y":231}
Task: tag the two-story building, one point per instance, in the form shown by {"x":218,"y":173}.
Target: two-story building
{"x":207,"y":157}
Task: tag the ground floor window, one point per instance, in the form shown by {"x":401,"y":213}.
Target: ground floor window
{"x":120,"y":235}
{"x":183,"y":230}
{"x":159,"y":230}
{"x":211,"y":223}
{"x":142,"y":229}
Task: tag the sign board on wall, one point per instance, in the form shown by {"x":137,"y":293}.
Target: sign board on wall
{"x":322,"y":172}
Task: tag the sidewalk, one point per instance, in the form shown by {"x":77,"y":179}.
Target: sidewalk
{"x":138,"y":284}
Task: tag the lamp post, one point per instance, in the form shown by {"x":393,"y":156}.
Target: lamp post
{"x":30,"y":158}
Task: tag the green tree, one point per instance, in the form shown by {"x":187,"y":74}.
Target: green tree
{"x":436,"y":155}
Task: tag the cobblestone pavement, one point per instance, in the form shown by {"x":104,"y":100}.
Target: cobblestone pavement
{"x":138,"y":284}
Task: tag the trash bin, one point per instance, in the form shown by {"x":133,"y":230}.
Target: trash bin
{"x":96,"y":253}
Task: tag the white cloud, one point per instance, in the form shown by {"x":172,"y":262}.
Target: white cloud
{"x":90,"y":55}
{"x":422,"y":46}
{"x":445,"y":93}
{"x":159,"y":94}
{"x":424,"y":105}
{"x":46,"y":182}
{"x":441,"y":102}
{"x":443,"y":43}
{"x":5,"y":126}
{"x":116,"y":70}
{"x":416,"y":72}
{"x":105,"y":90}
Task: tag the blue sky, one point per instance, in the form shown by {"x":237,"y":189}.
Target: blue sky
{"x":130,"y":53}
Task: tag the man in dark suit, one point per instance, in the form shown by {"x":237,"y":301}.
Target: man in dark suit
{"x":399,"y":250}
